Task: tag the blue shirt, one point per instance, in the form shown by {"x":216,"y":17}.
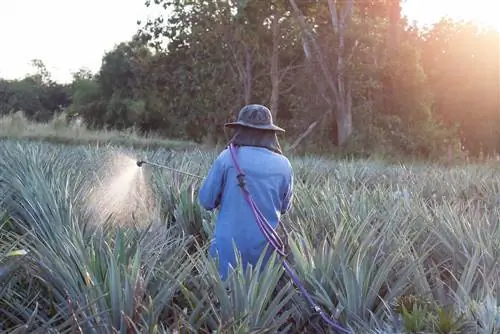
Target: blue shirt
{"x":269,"y":180}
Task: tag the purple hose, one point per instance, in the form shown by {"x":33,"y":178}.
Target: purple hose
{"x":276,"y":242}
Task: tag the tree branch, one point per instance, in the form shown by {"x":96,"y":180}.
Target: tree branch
{"x":334,"y":16}
{"x":326,"y":73}
{"x":304,"y":134}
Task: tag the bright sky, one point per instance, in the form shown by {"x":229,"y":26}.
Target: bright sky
{"x":71,"y":34}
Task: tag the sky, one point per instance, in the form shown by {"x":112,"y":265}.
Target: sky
{"x":68,"y":35}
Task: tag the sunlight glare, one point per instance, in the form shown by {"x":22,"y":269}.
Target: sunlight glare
{"x":481,"y":12}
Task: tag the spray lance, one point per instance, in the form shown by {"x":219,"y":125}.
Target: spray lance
{"x":142,"y":162}
{"x":272,"y":237}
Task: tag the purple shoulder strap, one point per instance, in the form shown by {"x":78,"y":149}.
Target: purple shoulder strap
{"x":262,"y":222}
{"x":276,"y":242}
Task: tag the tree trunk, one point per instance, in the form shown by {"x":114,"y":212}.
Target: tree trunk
{"x":247,"y":86}
{"x":344,"y":98}
{"x":344,"y":121}
{"x":275,"y":75}
{"x":392,"y":39}
{"x":336,"y":79}
{"x":394,"y":19}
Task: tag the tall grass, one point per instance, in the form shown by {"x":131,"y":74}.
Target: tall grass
{"x":60,"y":130}
{"x":383,"y":249}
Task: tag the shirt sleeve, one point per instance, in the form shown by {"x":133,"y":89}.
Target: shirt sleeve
{"x":212,"y":186}
{"x":288,"y":194}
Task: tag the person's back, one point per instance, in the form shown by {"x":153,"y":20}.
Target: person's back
{"x":269,"y":180}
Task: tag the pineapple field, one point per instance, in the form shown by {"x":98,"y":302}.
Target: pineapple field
{"x":91,"y":243}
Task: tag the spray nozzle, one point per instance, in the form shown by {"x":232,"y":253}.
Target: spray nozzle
{"x":142,"y":162}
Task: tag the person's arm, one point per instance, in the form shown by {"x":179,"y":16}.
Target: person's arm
{"x":211,"y":188}
{"x":288,"y":194}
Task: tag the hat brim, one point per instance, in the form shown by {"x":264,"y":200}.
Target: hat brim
{"x":259,"y":127}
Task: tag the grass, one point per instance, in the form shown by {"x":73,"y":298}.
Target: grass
{"x":384,"y":249}
{"x":58,"y":131}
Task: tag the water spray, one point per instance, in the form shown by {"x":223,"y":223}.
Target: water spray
{"x":142,"y":162}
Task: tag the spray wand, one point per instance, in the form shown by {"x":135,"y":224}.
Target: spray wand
{"x":142,"y":162}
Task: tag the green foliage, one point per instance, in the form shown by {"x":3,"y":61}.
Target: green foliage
{"x":383,"y":249}
{"x":461,"y":61}
{"x":247,"y":302}
{"x":37,"y":96}
{"x":414,"y":321}
{"x":186,"y":73}
{"x":385,"y":78}
{"x":419,"y":316}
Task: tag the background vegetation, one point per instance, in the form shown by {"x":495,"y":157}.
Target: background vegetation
{"x":343,"y":77}
{"x":382,"y":249}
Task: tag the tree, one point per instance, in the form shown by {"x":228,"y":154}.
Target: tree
{"x":42,"y":75}
{"x":461,"y":61}
{"x":36,"y":95}
{"x":339,"y":87}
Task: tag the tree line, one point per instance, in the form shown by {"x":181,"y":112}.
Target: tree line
{"x":351,"y":76}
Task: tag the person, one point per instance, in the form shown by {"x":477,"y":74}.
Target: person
{"x":268,"y":178}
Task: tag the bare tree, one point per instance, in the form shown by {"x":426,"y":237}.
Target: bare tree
{"x":275,"y":77}
{"x":278,"y":72}
{"x":337,"y":83}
